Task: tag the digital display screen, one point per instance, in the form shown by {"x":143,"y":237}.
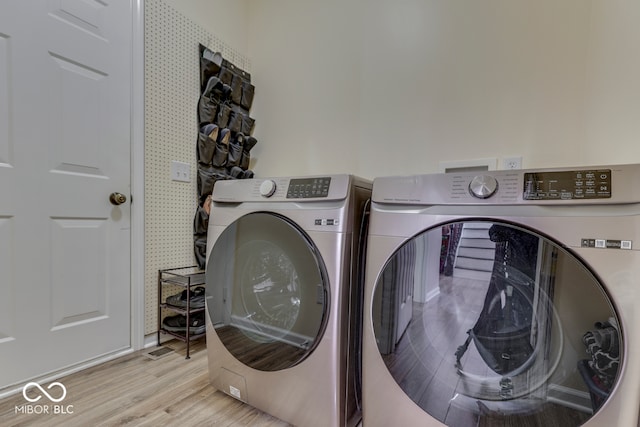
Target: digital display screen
{"x":308,"y":188}
{"x":568,"y":185}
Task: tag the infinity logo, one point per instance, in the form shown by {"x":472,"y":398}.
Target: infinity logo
{"x":43,"y":391}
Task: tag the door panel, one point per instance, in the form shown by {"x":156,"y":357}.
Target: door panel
{"x":81,"y":251}
{"x":65,"y":85}
{"x":509,"y":349}
{"x":77,"y":89}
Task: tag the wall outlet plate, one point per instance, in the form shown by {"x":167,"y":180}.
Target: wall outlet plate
{"x":512,"y":162}
{"x":180,"y":171}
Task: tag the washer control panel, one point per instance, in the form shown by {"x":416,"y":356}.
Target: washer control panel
{"x":567,"y":185}
{"x":308,"y":188}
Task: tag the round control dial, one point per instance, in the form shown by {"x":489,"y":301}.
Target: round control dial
{"x":267,"y":188}
{"x":483,"y":186}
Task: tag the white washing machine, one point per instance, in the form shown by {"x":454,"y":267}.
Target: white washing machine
{"x":283,"y":296}
{"x":504,"y":298}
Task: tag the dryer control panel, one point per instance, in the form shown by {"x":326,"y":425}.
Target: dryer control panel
{"x":567,"y":185}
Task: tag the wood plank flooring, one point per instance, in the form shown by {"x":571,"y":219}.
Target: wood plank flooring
{"x":135,"y":390}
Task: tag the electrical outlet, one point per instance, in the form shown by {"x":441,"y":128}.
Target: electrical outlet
{"x":512,"y":162}
{"x":180,"y":171}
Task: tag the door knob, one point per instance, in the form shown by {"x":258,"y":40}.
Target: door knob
{"x":117,"y":198}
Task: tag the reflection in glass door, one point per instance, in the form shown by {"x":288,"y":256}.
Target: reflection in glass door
{"x":509,"y":348}
{"x":267,"y":292}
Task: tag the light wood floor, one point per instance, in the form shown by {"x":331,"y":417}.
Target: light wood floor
{"x":135,"y":390}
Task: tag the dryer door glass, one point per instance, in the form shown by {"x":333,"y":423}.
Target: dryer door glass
{"x":267,"y":292}
{"x":488,"y":323}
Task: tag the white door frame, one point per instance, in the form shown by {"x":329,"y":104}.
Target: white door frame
{"x":137,"y":178}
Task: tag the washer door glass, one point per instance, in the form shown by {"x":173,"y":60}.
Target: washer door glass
{"x":266,"y":292}
{"x":487,"y":323}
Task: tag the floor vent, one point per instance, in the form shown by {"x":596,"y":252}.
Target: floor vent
{"x":158,"y":353}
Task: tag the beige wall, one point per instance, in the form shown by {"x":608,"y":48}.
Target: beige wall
{"x":306,"y":58}
{"x":613,"y":93}
{"x":381,"y":87}
{"x":384,"y":87}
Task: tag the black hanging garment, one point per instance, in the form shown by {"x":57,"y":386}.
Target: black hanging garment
{"x":504,"y":333}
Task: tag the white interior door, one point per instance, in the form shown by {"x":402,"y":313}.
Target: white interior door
{"x":65,"y":141}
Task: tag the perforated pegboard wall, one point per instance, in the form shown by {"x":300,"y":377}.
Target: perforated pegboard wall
{"x":172,"y":79}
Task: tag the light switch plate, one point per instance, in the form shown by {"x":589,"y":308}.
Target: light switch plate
{"x":180,"y":171}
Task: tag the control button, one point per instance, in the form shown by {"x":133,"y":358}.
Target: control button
{"x":483,"y":186}
{"x":267,"y":188}
{"x":588,"y":243}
